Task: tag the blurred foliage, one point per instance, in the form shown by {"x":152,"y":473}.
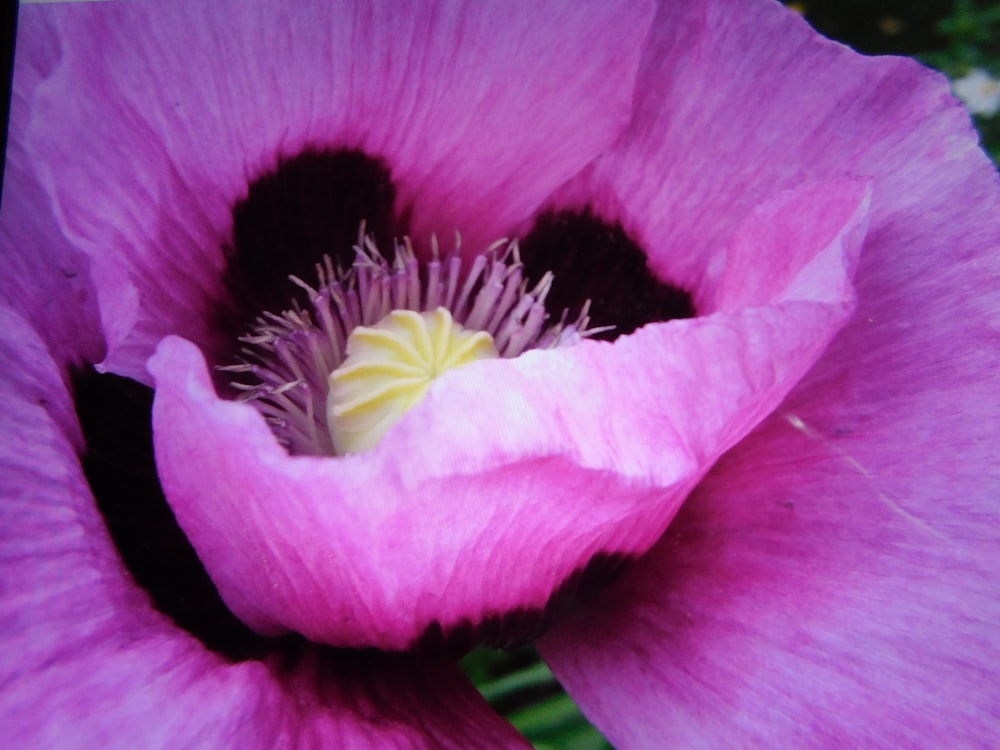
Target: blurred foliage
{"x":971,"y":30}
{"x":973,"y":33}
{"x":954,"y":36}
{"x":879,"y":27}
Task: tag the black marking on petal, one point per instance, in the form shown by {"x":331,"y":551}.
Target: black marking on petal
{"x":594,"y":260}
{"x":311,"y":205}
{"x":515,"y":628}
{"x":115,"y":416}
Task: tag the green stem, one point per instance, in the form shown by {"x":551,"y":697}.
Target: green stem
{"x":531,"y":676}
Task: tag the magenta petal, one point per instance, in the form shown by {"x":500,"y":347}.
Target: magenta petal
{"x":834,"y":588}
{"x":162,"y":691}
{"x":160,"y":113}
{"x":88,"y":663}
{"x":41,"y":274}
{"x":834,"y":580}
{"x":472,"y":507}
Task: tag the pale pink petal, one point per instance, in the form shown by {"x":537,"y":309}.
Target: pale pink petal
{"x":475,"y":506}
{"x":834,"y":580}
{"x":772,"y":256}
{"x":41,"y":274}
{"x":88,"y":663}
{"x":161,"y":113}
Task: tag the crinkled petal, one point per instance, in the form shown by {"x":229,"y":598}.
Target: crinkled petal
{"x":833,"y":581}
{"x":88,"y":663}
{"x":473,"y":507}
{"x":161,"y":113}
{"x":41,"y":274}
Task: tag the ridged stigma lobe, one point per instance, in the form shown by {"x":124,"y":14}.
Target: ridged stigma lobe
{"x":390,"y":367}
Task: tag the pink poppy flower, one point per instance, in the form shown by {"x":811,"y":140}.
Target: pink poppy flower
{"x":799,"y":474}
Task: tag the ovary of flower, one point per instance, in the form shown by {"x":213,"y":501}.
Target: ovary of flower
{"x":390,"y":367}
{"x":980,"y":91}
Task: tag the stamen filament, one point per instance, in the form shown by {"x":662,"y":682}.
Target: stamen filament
{"x":285,"y":366}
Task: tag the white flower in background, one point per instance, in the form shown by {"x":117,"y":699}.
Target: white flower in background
{"x":980,"y":91}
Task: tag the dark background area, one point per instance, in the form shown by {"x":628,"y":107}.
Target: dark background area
{"x":896,"y":27}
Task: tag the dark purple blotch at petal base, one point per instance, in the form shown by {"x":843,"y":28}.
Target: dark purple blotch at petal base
{"x":117,"y":460}
{"x":518,"y":627}
{"x":596,"y":260}
{"x":313,"y":204}
{"x":309,"y":206}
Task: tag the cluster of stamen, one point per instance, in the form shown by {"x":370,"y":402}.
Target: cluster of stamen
{"x":288,"y":357}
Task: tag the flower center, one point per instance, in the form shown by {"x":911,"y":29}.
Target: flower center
{"x":333,"y":376}
{"x":390,"y":367}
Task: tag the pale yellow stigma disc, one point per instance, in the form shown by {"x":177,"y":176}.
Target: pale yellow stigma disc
{"x":389,"y":368}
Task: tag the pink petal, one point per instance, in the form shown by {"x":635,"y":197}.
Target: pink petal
{"x":473,"y":507}
{"x":88,"y":663}
{"x":740,"y":99}
{"x":41,"y":274}
{"x":160,"y":114}
{"x":818,"y":589}
{"x":833,"y":581}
